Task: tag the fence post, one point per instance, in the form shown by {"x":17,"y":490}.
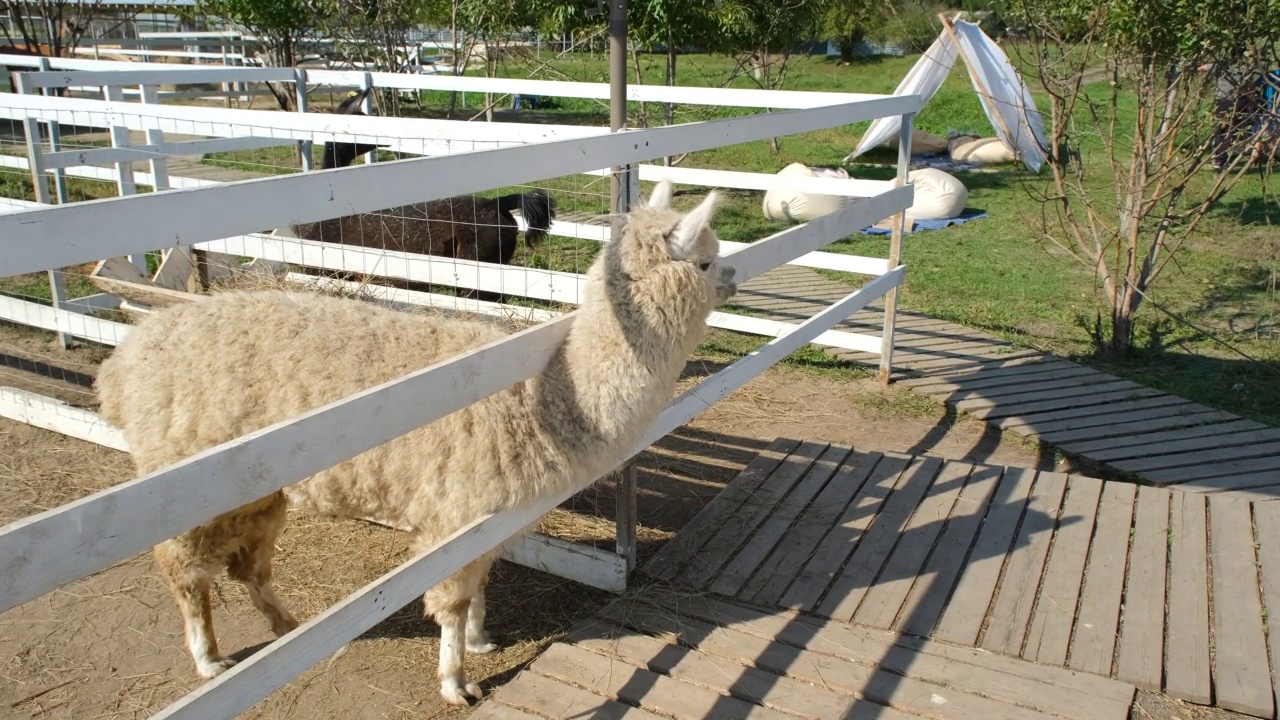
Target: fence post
{"x":625,"y":519}
{"x":366,"y":83}
{"x":125,"y":184}
{"x":226,"y":87}
{"x":40,"y":180}
{"x":300,"y":86}
{"x":895,"y":250}
{"x":55,"y":141}
{"x":178,"y":263}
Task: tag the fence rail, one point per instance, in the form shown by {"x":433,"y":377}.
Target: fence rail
{"x":684,"y":95}
{"x":59,"y":546}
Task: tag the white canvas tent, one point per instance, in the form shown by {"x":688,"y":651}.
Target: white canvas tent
{"x":1005,"y":98}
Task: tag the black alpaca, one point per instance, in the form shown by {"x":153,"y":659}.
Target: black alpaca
{"x":465,"y":227}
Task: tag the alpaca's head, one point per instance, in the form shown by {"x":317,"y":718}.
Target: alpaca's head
{"x":341,"y":154}
{"x":674,"y":256}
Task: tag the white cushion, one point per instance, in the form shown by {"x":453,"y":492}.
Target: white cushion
{"x":788,"y":204}
{"x":922,"y":143}
{"x":980,"y":151}
{"x":939,"y":195}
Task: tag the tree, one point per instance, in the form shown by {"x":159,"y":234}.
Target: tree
{"x":283,"y":28}
{"x":763,"y":34}
{"x":847,"y":22}
{"x":52,"y":28}
{"x":1155,"y":113}
{"x":374,"y":32}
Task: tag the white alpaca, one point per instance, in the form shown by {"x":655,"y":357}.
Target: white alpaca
{"x":195,"y":375}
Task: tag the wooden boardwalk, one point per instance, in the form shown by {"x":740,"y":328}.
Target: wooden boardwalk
{"x":1167,"y":590}
{"x":1164,"y":439}
{"x":655,"y":654}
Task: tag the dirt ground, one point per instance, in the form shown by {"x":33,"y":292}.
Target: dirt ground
{"x":110,"y":646}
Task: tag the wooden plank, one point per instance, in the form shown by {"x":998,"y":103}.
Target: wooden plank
{"x":494,"y":710}
{"x":1038,"y":687}
{"x":1011,"y":612}
{"x":923,"y":606}
{"x":1155,"y":442}
{"x":551,"y":698}
{"x":849,"y":587}
{"x":819,"y":686}
{"x":1024,"y":390}
{"x":627,"y":683}
{"x":1187,"y":664}
{"x":967,"y":609}
{"x":1267,"y":518}
{"x":1010,"y":380}
{"x":1093,"y":648}
{"x":1141,"y":657}
{"x":1217,"y":469}
{"x":1241,"y":680}
{"x":1029,"y":397}
{"x":844,"y":538}
{"x":763,"y":541}
{"x":1078,"y":417}
{"x":1049,"y":636}
{"x":737,"y":527}
{"x":798,"y":545}
{"x":1045,"y":364}
{"x":1234,"y":484}
{"x":883,"y":601}
{"x":1117,"y":414}
{"x":1217,"y":450}
{"x":1097,"y":408}
{"x":1073,"y":406}
{"x":728,"y":673}
{"x":677,"y":551}
{"x":1121,"y":429}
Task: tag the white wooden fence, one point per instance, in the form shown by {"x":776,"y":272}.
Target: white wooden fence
{"x":41,"y":553}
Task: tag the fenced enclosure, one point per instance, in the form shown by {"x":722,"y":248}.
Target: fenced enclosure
{"x":85,"y":266}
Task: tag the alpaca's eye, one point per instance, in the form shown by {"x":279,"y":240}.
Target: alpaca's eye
{"x":704,"y":266}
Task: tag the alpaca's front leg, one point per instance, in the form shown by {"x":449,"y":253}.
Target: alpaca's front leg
{"x":454,"y":687}
{"x":477,"y":639}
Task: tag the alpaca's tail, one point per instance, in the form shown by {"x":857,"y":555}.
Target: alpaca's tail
{"x":536,"y":207}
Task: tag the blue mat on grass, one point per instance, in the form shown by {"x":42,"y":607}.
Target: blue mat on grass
{"x":921,"y":225}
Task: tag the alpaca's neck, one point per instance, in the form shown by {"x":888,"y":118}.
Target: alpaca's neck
{"x":613,"y":376}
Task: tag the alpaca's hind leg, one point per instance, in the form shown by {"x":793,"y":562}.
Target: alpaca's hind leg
{"x":477,"y":639}
{"x":191,"y":585}
{"x":454,"y":687}
{"x":252,"y":565}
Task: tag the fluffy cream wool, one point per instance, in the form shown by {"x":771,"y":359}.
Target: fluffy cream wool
{"x":198,"y":374}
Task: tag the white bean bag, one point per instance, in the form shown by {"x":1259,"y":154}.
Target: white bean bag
{"x":788,"y":204}
{"x":980,"y":151}
{"x":922,"y":143}
{"x":939,"y":195}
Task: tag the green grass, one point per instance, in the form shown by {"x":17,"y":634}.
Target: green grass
{"x":993,"y":274}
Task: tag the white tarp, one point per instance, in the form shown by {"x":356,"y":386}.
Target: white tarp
{"x":926,"y":76}
{"x":991,"y":74}
{"x":1006,"y":98}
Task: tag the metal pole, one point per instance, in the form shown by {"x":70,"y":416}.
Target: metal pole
{"x":619,"y":194}
{"x":624,"y":186}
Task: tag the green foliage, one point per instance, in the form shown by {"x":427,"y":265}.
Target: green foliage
{"x":847,"y":23}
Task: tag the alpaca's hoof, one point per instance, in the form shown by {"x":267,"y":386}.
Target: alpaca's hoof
{"x":284,"y":626}
{"x":481,"y":648}
{"x":210,"y":669}
{"x":456,"y":695}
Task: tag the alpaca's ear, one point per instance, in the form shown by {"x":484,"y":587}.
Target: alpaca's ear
{"x":661,"y":197}
{"x":685,"y":236}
